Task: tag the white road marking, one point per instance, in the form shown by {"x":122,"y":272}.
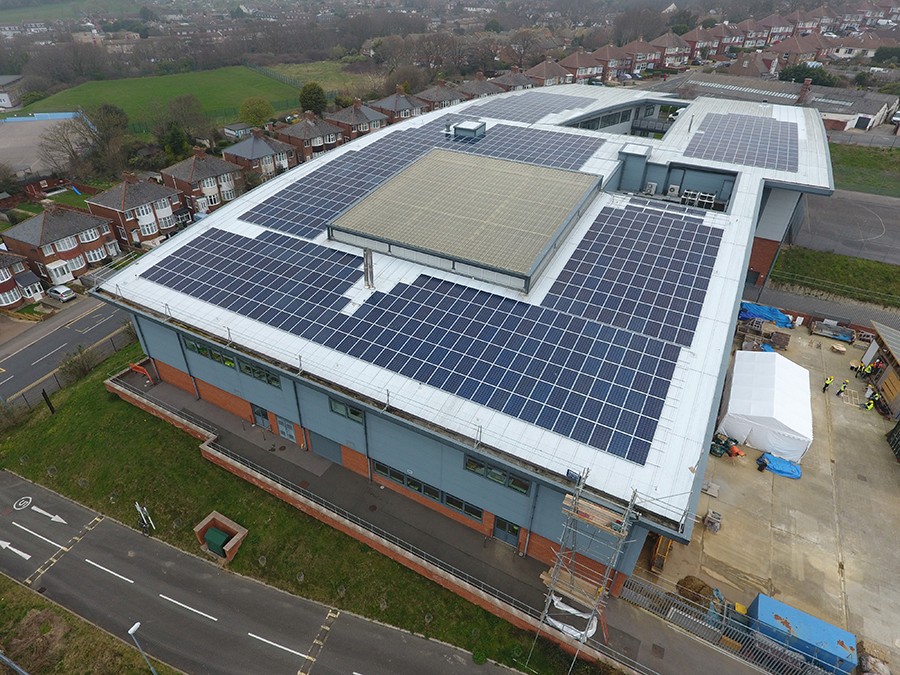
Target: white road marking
{"x":195,"y":611}
{"x":88,"y":330}
{"x":52,"y":543}
{"x":7,"y":545}
{"x":52,"y":516}
{"x":34,"y":342}
{"x":49,"y":354}
{"x":275,"y":644}
{"x":7,"y":379}
{"x":101,"y":567}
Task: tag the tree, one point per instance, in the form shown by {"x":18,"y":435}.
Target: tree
{"x":634,"y":23}
{"x":255,"y":111}
{"x":493,"y":26}
{"x":708,"y":23}
{"x":312,"y":97}
{"x":8,"y":181}
{"x":90,"y":145}
{"x":801,"y":71}
{"x":185,"y":112}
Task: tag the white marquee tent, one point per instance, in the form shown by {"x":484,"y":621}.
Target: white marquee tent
{"x":769,"y":405}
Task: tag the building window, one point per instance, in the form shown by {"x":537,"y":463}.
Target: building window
{"x":76,"y":263}
{"x":66,"y":244}
{"x":375,"y":125}
{"x":161,"y":204}
{"x":104,"y":229}
{"x":9,"y":297}
{"x":208,"y":182}
{"x":18,"y":267}
{"x":47,"y":249}
{"x":362,"y":127}
{"x":122,"y":233}
{"x":348,"y":411}
{"x":213,"y":200}
{"x":317,"y":141}
{"x":306,"y":143}
{"x":208,"y":351}
{"x":166,"y":222}
{"x":497,"y":474}
{"x":143,"y":210}
{"x":404,"y":113}
{"x":429,"y":491}
{"x":260,"y":373}
{"x":330,"y":138}
{"x":96,"y":255}
{"x":112,"y":248}
{"x":4,"y":274}
{"x":149,"y":229}
{"x":648,"y":112}
{"x":88,"y":236}
{"x":228,"y":195}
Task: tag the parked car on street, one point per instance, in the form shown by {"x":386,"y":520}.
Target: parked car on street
{"x":61,"y":293}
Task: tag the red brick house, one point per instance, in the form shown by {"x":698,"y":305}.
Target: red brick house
{"x":779,"y":27}
{"x":755,"y":36}
{"x":440,"y":96}
{"x":703,"y":43}
{"x":311,"y":136}
{"x":18,"y":284}
{"x":141,"y":211}
{"x":400,"y":105}
{"x":675,"y":51}
{"x":262,"y":155}
{"x":60,"y":243}
{"x":610,"y":59}
{"x":549,"y":72}
{"x":731,"y":38}
{"x":581,"y":67}
{"x":479,"y":88}
{"x":206,"y":181}
{"x":641,"y":56}
{"x":514,"y":80}
{"x":357,"y":120}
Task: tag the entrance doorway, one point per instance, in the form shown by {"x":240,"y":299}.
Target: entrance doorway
{"x":506,"y":531}
{"x":286,"y":429}
{"x":260,"y":416}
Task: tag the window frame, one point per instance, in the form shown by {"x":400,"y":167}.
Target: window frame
{"x":343,"y":409}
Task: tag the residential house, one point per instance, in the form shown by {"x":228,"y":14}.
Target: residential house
{"x":60,"y":243}
{"x":779,"y":28}
{"x":675,"y":51}
{"x":206,"y":181}
{"x":871,"y":12}
{"x":548,"y":73}
{"x":399,"y":105}
{"x":264,"y":156}
{"x":141,"y":210}
{"x":827,"y":20}
{"x":803,"y":22}
{"x":514,"y":80}
{"x":858,"y":46}
{"x":731,"y":38}
{"x":755,"y":36}
{"x":641,"y":56}
{"x":18,"y":284}
{"x":581,"y":66}
{"x":237,"y":130}
{"x":10,"y":90}
{"x":795,"y":50}
{"x":311,"y":136}
{"x":357,"y":120}
{"x":440,"y":96}
{"x":703,"y":43}
{"x":609,"y":57}
{"x":757,"y":64}
{"x":479,"y":87}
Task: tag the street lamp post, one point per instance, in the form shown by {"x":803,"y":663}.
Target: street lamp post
{"x":131,"y":632}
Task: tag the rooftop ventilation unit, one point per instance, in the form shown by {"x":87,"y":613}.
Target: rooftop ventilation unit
{"x":674,"y":192}
{"x":650,"y":188}
{"x":469,"y":129}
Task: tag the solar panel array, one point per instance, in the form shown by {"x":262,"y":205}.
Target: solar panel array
{"x":597,"y":384}
{"x":530,"y":107}
{"x":746,"y":139}
{"x":307,"y":206}
{"x":641,"y":269}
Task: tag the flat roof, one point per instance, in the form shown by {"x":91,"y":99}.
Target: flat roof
{"x":503,"y":213}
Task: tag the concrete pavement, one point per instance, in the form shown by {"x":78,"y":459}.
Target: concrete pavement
{"x":853,"y":223}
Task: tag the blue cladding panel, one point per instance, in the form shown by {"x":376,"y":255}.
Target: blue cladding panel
{"x":746,"y":139}
{"x":636,"y":268}
{"x":407,"y":331}
{"x":306,"y":207}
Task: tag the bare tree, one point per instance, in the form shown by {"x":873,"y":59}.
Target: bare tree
{"x":391,"y":51}
{"x":65,"y":145}
{"x":635,"y":23}
{"x":526,"y":46}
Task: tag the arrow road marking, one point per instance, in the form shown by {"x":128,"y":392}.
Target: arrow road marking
{"x":51,"y":516}
{"x":275,"y":644}
{"x":195,"y":611}
{"x":101,"y":567}
{"x":6,"y":544}
{"x":52,"y":543}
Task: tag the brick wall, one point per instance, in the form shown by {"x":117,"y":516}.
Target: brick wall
{"x":762,"y":256}
{"x":355,"y":461}
{"x":174,"y":376}
{"x":545,"y":550}
{"x":224,"y":400}
{"x":162,"y":414}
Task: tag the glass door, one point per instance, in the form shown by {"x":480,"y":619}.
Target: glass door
{"x":506,"y":531}
{"x":286,"y":429}
{"x":260,"y":416}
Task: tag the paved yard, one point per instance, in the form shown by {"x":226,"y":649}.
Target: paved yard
{"x":827,"y":543}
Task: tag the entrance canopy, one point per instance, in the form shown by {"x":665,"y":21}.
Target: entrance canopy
{"x":769,"y":405}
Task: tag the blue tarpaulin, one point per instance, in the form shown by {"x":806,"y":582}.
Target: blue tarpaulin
{"x":780,"y":467}
{"x":751,"y":311}
{"x":768,"y":348}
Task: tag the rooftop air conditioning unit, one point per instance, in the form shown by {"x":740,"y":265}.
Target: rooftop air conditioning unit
{"x":650,"y":188}
{"x":673,"y":192}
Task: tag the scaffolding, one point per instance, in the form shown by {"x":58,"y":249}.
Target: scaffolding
{"x":576,"y":581}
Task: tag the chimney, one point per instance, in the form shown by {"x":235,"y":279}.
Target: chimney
{"x":129,"y":177}
{"x":479,"y":76}
{"x":310,"y":115}
{"x":442,"y":83}
{"x":357,"y":104}
{"x":199,"y":152}
{"x":400,"y":89}
{"x":257,"y":133}
{"x":515,"y":70}
{"x":804,"y":90}
{"x":50,"y":206}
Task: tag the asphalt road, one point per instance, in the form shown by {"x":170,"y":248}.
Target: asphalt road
{"x":38,"y":351}
{"x":854,"y":224}
{"x":193,"y":615}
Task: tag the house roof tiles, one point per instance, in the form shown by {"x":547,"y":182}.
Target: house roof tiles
{"x":129,"y":195}
{"x":256,"y":147}
{"x":548,"y":69}
{"x":356,"y":114}
{"x":52,"y":225}
{"x":199,"y":166}
{"x":309,"y":127}
{"x":398,"y":101}
{"x":440,"y":93}
{"x":8,"y":259}
{"x":479,"y":87}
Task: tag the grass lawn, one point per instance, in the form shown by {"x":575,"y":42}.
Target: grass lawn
{"x":73,"y":9}
{"x":107,"y":454}
{"x":329,"y":74}
{"x":866,"y":169}
{"x":141,"y":97}
{"x":69,"y":198}
{"x":855,"y":278}
{"x":30,"y":309}
{"x":42,"y":637}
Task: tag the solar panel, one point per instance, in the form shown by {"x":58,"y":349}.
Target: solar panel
{"x":600,"y":385}
{"x":640,"y":269}
{"x":306,"y":207}
{"x":746,"y":139}
{"x":530,"y":107}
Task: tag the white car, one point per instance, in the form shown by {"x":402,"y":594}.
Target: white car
{"x":61,"y":293}
{"x":896,"y":118}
